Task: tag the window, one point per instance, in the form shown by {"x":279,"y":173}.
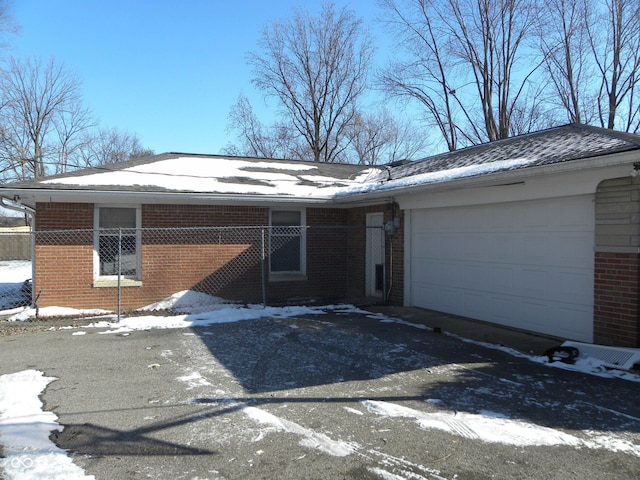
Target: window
{"x":288,"y":242}
{"x":117,"y":242}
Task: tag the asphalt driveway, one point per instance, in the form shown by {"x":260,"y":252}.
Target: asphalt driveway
{"x":332,"y":396}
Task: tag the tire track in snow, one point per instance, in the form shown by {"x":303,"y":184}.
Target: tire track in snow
{"x":310,"y":438}
{"x":401,"y":469}
{"x":495,"y":428}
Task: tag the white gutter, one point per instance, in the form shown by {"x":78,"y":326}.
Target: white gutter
{"x":112,"y":196}
{"x":16,"y":206}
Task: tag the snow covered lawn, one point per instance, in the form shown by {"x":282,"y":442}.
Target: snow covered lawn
{"x":13,"y":273}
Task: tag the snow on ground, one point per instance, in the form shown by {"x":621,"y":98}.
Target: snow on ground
{"x":24,"y":314}
{"x":310,"y":438}
{"x":187,"y":301}
{"x":25,"y":430}
{"x":589,"y":365}
{"x":13,"y":273}
{"x":225,"y":314}
{"x":24,"y":427}
{"x":199,"y":309}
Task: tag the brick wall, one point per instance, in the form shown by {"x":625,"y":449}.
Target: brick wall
{"x":173,"y":261}
{"x":171,"y":216}
{"x":617,"y":261}
{"x":616,"y":306}
{"x":394,"y":251}
{"x":326,"y":261}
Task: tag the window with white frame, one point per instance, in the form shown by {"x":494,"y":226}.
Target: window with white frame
{"x":117,"y":242}
{"x":288,"y":242}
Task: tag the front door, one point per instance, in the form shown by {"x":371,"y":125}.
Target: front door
{"x":375,"y":255}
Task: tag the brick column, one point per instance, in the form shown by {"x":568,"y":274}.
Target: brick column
{"x":617,"y":261}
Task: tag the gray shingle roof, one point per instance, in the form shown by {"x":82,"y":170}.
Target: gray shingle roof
{"x":546,"y":147}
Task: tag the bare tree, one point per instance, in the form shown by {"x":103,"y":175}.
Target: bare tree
{"x":41,"y":100}
{"x":568,"y":64}
{"x":316,"y":67}
{"x":8,"y":26}
{"x":257,"y":140}
{"x":425,"y":76}
{"x":70,"y":126}
{"x":614,"y":37}
{"x":466,"y":63}
{"x":108,"y":146}
{"x":377,"y":137}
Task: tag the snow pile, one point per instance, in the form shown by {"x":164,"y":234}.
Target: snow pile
{"x":226,"y":314}
{"x":25,"y":430}
{"x":26,"y":313}
{"x":187,"y":301}
{"x":200,"y":310}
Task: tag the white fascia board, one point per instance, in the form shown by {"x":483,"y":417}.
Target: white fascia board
{"x":582,"y":182}
{"x":31,"y":196}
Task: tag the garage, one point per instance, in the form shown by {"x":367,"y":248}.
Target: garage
{"x":526,"y":264}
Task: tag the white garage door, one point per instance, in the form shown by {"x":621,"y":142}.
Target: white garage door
{"x":527,"y":265}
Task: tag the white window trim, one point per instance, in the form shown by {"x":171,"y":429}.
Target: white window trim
{"x":298,"y":274}
{"x":112,"y":280}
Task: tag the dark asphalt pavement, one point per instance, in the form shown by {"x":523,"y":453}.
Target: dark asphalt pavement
{"x":340,"y":396}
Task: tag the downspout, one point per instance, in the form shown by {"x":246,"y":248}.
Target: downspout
{"x":16,"y":206}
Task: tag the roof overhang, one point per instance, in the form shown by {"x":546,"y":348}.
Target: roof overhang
{"x":31,"y":196}
{"x":625,"y":160}
{"x":381,"y":193}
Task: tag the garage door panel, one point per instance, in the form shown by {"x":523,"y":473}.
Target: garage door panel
{"x":527,"y":265}
{"x":476,"y":246}
{"x":502,"y":311}
{"x":451,"y":274}
{"x":502,"y":249}
{"x":535,"y":216}
{"x":474,"y":276}
{"x":429,"y":269}
{"x":572,"y":249}
{"x":449,"y":298}
{"x":534,"y":250}
{"x":501,"y":277}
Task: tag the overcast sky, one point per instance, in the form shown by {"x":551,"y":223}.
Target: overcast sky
{"x":166,"y":70}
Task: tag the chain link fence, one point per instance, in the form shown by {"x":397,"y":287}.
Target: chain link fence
{"x":121,"y":270}
{"x":15,"y":269}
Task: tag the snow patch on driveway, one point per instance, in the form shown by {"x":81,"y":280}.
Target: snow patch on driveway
{"x":492,"y":427}
{"x":194,"y":380}
{"x":311,"y":439}
{"x":25,"y":430}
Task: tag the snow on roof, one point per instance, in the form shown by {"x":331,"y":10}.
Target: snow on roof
{"x":437,"y":177}
{"x":221,"y":175}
